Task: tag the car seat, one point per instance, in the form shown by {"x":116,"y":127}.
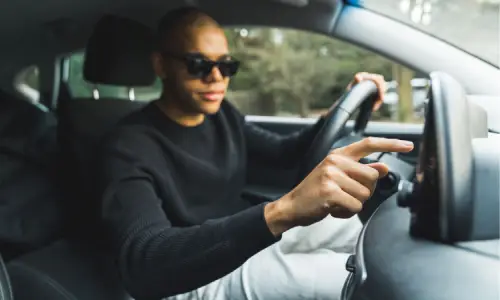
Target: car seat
{"x":79,"y":269}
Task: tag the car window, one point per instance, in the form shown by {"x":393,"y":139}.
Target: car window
{"x":286,"y":72}
{"x":27,"y":84}
{"x":473,"y":25}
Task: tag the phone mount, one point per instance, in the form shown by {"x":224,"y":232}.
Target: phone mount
{"x":456,"y":193}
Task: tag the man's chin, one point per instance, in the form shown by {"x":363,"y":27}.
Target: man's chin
{"x":210,"y":108}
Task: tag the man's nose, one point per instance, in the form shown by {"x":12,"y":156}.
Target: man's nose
{"x":215,"y":75}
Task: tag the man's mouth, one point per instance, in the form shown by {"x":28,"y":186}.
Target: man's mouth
{"x":213,"y":95}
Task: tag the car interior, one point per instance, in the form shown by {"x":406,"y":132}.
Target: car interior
{"x":431,"y":230}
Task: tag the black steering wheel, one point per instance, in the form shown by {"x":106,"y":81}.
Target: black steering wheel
{"x":332,"y":135}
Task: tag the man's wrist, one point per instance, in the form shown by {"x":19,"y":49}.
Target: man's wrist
{"x":277,"y":217}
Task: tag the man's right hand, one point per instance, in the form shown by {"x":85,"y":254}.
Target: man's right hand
{"x":339,"y":186}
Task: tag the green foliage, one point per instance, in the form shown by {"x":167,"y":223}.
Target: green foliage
{"x":298,"y":70}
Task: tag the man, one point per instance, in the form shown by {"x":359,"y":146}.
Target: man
{"x":173,"y":174}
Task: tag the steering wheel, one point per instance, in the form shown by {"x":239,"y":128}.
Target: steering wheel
{"x":361,"y":96}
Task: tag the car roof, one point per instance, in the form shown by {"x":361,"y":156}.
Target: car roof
{"x":34,"y":30}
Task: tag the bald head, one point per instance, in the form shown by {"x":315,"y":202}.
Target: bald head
{"x":179,"y":26}
{"x":193,"y":61}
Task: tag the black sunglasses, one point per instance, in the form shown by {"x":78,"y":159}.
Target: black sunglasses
{"x":200,"y":66}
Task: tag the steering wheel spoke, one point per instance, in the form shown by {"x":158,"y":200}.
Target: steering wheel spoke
{"x":332,"y":134}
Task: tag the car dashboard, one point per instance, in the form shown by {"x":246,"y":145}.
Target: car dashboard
{"x":391,"y":265}
{"x":419,"y":244}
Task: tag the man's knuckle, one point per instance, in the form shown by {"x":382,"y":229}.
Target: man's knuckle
{"x":324,"y":191}
{"x":324,"y":169}
{"x":327,"y":189}
{"x":372,"y":174}
{"x":357,"y":206}
{"x":332,"y":172}
{"x":370,"y":142}
{"x":325,"y":175}
{"x":335,"y":188}
{"x":365,"y":193}
{"x":330,"y":176}
{"x":330,"y":204}
{"x":334,"y":158}
{"x":338,"y":151}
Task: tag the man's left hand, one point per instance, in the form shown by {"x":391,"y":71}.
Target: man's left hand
{"x":379,"y":81}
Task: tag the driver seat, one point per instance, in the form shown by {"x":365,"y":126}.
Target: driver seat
{"x":118,"y":54}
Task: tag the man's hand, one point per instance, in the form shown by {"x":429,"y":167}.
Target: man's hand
{"x":379,"y":81}
{"x":339,"y":186}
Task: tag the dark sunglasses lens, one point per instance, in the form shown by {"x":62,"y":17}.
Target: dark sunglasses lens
{"x":228,"y":68}
{"x":199,"y":67}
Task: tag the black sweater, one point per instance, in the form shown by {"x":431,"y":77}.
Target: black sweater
{"x":171,"y":197}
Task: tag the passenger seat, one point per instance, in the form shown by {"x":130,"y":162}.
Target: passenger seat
{"x":118,"y":53}
{"x":30,"y":195}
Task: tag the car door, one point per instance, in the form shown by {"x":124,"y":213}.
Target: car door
{"x":288,"y":78}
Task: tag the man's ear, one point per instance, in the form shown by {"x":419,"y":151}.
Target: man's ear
{"x":158,"y":65}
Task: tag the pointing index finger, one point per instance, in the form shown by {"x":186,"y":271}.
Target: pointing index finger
{"x":371,"y":145}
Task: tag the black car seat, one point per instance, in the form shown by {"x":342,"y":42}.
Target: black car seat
{"x":66,"y":270}
{"x":30,"y":197}
{"x":117,"y":54}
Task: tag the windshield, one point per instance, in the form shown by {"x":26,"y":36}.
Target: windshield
{"x":472,"y":25}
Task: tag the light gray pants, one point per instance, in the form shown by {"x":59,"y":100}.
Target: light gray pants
{"x":307,"y":263}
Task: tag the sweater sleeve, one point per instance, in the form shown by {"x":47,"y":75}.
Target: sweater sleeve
{"x":274,"y":149}
{"x":156,"y":259}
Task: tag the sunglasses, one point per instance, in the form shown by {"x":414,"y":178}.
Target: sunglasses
{"x":201,"y":67}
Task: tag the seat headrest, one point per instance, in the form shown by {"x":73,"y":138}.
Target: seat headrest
{"x":118,"y":53}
